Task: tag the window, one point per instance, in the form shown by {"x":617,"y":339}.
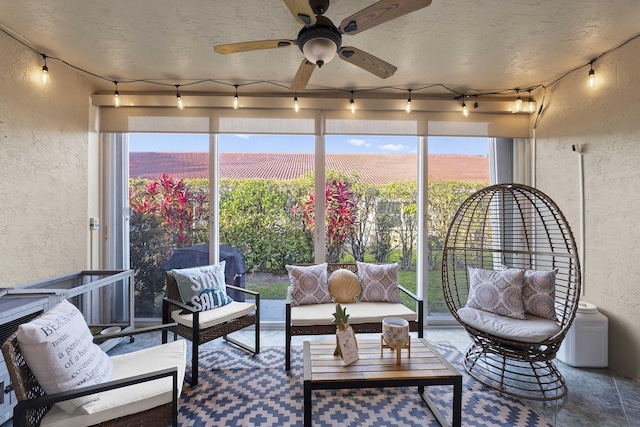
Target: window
{"x":402,"y":213}
{"x":169,"y":202}
{"x":457,"y":167}
{"x":264,"y":185}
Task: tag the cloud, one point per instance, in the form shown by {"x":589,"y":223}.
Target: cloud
{"x":394,"y":147}
{"x":242,"y":136}
{"x":359,"y":142}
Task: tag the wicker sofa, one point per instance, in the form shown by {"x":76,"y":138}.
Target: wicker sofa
{"x":365,"y":317}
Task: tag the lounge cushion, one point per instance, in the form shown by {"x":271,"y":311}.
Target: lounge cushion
{"x":216,"y":316}
{"x":532,"y":329}
{"x":360,"y":312}
{"x":129,"y":400}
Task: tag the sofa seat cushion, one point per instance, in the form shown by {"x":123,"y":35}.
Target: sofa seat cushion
{"x":215,"y":316}
{"x":136,"y":398}
{"x":359,"y":312}
{"x":532,"y":329}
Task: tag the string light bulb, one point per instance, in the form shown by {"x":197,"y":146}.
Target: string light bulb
{"x":408,"y":109}
{"x":465,"y":110}
{"x":352,"y":104}
{"x":592,"y":76}
{"x":235,"y":99}
{"x":475,"y":104}
{"x":532,"y":103}
{"x":116,"y":95}
{"x":45,"y":70}
{"x":296,"y":107}
{"x":517,"y":105}
{"x":180,"y":104}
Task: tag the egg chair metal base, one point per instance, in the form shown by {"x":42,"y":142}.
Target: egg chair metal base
{"x":517,"y":374}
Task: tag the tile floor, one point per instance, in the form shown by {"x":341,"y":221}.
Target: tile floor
{"x":597,"y":397}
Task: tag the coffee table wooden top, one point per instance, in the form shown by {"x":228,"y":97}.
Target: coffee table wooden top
{"x":425,"y":363}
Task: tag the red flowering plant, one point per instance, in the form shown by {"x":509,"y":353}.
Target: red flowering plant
{"x":340,"y":216}
{"x":164,"y":215}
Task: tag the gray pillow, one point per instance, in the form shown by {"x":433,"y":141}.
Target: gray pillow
{"x":204,"y":287}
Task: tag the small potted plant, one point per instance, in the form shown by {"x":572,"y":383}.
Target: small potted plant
{"x":345,"y":337}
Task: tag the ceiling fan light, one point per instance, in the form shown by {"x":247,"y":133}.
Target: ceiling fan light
{"x":320,"y":50}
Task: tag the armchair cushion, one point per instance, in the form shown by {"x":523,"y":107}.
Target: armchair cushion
{"x":531,"y":329}
{"x":132,"y":399}
{"x":218,"y":316}
{"x":203,"y":288}
{"x":59,"y":349}
{"x":379,"y":282}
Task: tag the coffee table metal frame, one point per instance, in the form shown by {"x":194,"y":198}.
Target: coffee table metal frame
{"x":351,"y":378}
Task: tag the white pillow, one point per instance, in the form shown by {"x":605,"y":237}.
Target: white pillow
{"x":58,"y":348}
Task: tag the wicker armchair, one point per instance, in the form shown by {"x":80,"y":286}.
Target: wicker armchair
{"x":517,"y":226}
{"x":202,"y":327}
{"x":33,"y":404}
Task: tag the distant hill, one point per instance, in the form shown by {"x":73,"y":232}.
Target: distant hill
{"x":372,"y":168}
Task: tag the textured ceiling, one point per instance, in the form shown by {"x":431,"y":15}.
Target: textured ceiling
{"x":481,"y":45}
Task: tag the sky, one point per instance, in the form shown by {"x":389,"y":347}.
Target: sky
{"x":139,"y":142}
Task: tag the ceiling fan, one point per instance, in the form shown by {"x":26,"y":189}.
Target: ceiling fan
{"x":319,"y":39}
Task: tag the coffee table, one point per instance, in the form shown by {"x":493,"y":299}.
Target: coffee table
{"x":426,"y":367}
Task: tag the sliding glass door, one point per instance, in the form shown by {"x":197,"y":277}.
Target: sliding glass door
{"x":265,"y":184}
{"x":169,"y":201}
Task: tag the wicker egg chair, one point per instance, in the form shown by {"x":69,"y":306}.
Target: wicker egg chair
{"x":516,"y":226}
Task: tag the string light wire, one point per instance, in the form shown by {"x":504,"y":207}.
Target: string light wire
{"x":476,"y":93}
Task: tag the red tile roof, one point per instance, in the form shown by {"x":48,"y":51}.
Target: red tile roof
{"x":372,"y":168}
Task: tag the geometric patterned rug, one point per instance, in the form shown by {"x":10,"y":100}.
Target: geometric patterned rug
{"x":237,"y":389}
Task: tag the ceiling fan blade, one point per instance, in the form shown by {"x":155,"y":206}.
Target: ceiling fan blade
{"x":302,"y":76}
{"x":254,"y":45}
{"x":378,"y":13}
{"x":367,"y":62}
{"x":301,"y":10}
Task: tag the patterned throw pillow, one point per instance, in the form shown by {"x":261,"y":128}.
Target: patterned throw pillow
{"x":539,"y":293}
{"x":308,"y":284}
{"x":204,"y":287}
{"x":498,"y":292}
{"x":379,"y":282}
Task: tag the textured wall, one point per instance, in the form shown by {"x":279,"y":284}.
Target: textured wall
{"x":43,"y":167}
{"x":604,"y":121}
